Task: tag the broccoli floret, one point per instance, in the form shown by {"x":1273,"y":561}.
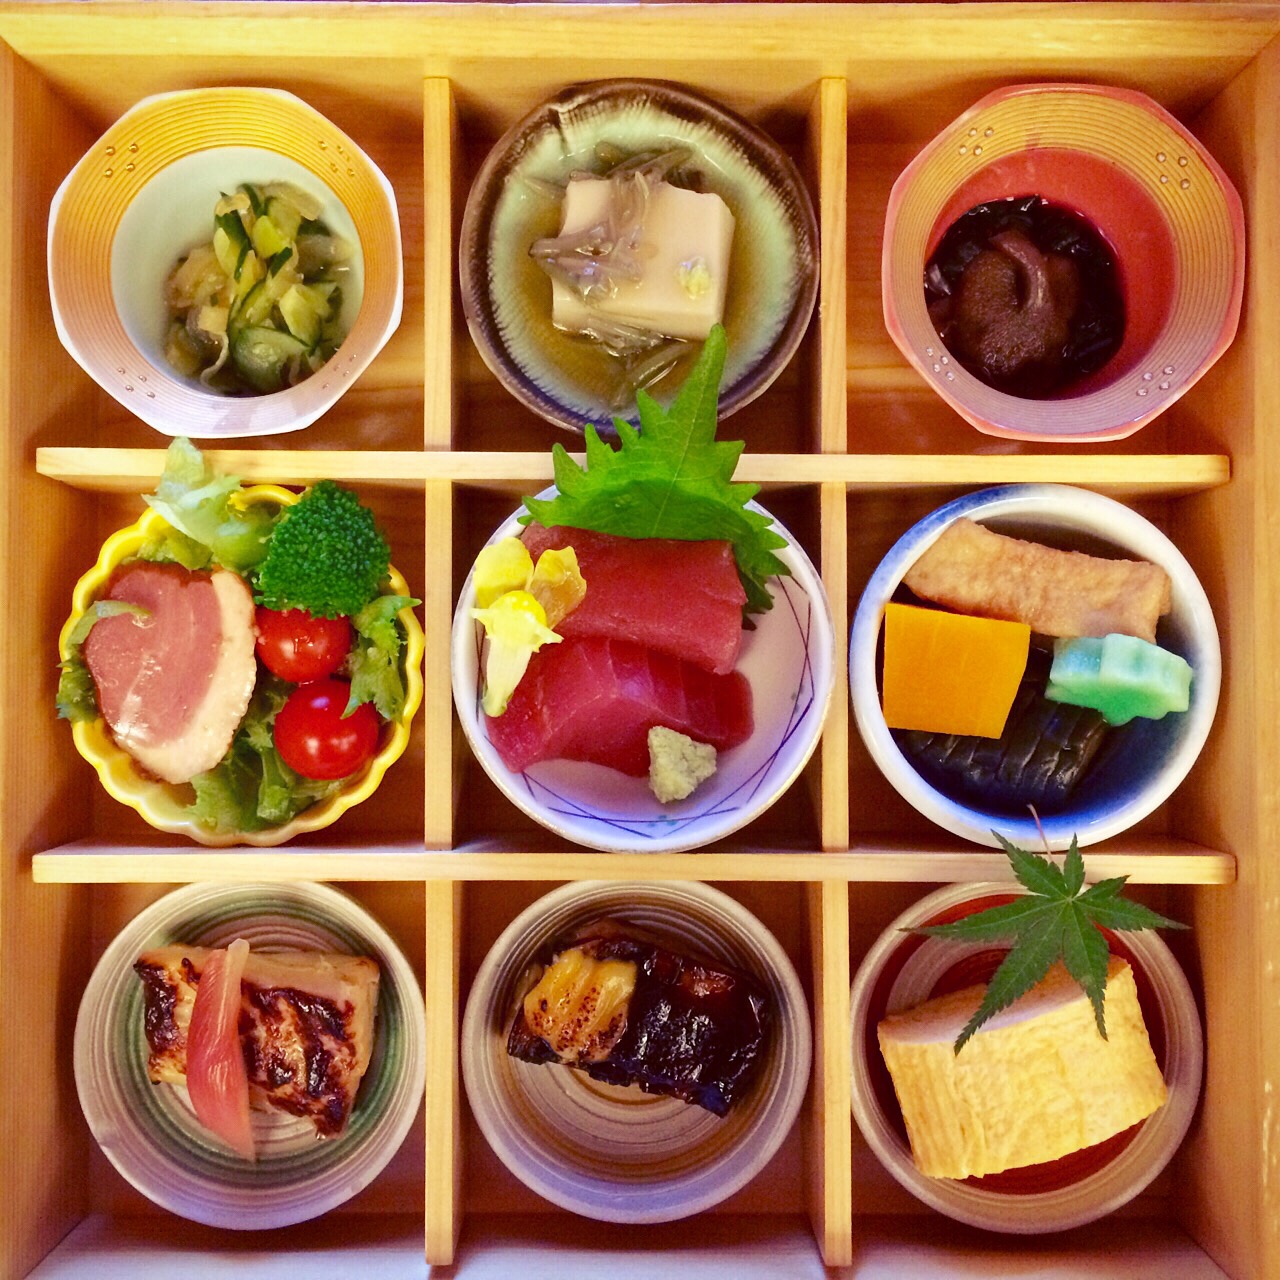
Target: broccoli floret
{"x":326,"y":555}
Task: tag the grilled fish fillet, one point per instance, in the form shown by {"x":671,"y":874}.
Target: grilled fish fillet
{"x":306,"y":1026}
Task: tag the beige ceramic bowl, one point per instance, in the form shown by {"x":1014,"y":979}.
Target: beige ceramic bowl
{"x":143,"y":196}
{"x":165,"y":805}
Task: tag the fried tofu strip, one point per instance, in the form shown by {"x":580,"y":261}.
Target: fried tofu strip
{"x":1057,"y":593}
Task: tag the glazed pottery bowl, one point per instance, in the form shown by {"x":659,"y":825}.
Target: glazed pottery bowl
{"x":901,"y":971}
{"x":1163,"y":205}
{"x":143,"y":197}
{"x":614,"y":1152}
{"x":1141,"y":763}
{"x":515,"y":200}
{"x":149,"y":1132}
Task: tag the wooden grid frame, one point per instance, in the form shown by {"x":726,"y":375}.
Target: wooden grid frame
{"x":850,"y":437}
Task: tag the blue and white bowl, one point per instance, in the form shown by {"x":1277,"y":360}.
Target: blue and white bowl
{"x":1124,"y":786}
{"x":789,"y":661}
{"x":150,"y":1133}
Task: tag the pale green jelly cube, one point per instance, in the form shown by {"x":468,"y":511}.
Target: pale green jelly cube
{"x":1120,"y":676}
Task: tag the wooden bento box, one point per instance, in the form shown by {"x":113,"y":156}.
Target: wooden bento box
{"x":851,"y":447}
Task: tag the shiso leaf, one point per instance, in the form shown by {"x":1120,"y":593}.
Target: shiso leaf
{"x":671,"y":479}
{"x":1053,"y":921}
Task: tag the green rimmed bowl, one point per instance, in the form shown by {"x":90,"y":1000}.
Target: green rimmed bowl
{"x":506,"y":296}
{"x":149,"y":1132}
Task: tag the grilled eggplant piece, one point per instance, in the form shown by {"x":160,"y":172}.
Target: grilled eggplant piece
{"x":1044,"y":752}
{"x":627,"y":1010}
{"x":306,"y":1026}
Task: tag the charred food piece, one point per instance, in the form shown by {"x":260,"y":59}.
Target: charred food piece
{"x":627,"y":1010}
{"x":306,"y":1026}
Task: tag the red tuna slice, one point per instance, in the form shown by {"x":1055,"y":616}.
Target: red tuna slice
{"x":217,"y":1081}
{"x":596,"y":700}
{"x":173,"y":687}
{"x":681,"y":598}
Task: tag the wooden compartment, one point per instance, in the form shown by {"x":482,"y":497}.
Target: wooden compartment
{"x":851,"y":448}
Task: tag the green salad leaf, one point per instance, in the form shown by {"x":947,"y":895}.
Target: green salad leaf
{"x":375,"y":656}
{"x":195,"y":500}
{"x":1057,"y":919}
{"x":251,"y":787}
{"x":672,"y":479}
{"x":76,"y":698}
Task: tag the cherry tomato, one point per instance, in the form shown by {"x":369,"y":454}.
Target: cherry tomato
{"x":299,"y":648}
{"x":315,"y":740}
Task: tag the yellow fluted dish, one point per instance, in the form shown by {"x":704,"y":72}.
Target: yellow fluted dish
{"x":165,"y":805}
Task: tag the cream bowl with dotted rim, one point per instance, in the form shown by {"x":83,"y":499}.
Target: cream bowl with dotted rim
{"x":1162,"y":203}
{"x":506,"y":296}
{"x":149,"y":1132}
{"x":143,"y":196}
{"x":1140,"y":764}
{"x":618,"y":1154}
{"x":902,"y":971}
{"x":789,"y":661}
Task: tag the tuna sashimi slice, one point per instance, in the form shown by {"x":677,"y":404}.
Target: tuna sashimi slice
{"x":217,"y":1081}
{"x":596,"y":700}
{"x":173,"y":687}
{"x":681,"y":598}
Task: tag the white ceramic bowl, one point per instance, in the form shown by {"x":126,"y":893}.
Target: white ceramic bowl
{"x":901,"y":971}
{"x":1123,"y":785}
{"x":150,"y":1133}
{"x":619,"y":1154}
{"x":788,"y":661}
{"x":143,"y":196}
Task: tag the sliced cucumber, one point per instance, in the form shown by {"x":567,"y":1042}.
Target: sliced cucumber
{"x":256,"y":202}
{"x":262,"y":356}
{"x":254,"y":309}
{"x":278,"y":261}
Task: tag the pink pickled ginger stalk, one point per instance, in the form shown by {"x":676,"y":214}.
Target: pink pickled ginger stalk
{"x":216,"y":1078}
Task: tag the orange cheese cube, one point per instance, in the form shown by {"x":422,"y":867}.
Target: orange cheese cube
{"x":949,"y":673}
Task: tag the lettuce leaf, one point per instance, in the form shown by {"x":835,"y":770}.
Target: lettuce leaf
{"x":251,"y":787}
{"x":672,"y":479}
{"x":195,"y":500}
{"x":375,"y":656}
{"x":77,"y":699}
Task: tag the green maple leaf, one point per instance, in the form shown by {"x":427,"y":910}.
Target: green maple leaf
{"x":671,"y":479}
{"x":1057,"y":919}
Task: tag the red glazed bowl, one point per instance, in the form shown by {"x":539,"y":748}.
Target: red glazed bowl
{"x":1165,"y":207}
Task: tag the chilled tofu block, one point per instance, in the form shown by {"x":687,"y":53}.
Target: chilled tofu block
{"x":1036,"y":1083}
{"x":685,"y":247}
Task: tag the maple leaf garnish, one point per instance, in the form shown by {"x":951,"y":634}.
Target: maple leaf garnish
{"x":1057,"y":919}
{"x":671,"y":479}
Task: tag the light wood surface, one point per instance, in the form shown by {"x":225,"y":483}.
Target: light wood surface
{"x":850,"y":446}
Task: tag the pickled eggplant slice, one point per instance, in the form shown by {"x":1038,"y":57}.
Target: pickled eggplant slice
{"x":627,"y":1010}
{"x":1044,"y":752}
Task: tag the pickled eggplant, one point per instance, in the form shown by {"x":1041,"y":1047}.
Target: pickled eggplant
{"x":1044,"y":752}
{"x":625,"y":1009}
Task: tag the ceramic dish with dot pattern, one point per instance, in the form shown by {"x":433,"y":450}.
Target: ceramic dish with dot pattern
{"x":149,"y":1132}
{"x":144,"y":195}
{"x":1164,"y":206}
